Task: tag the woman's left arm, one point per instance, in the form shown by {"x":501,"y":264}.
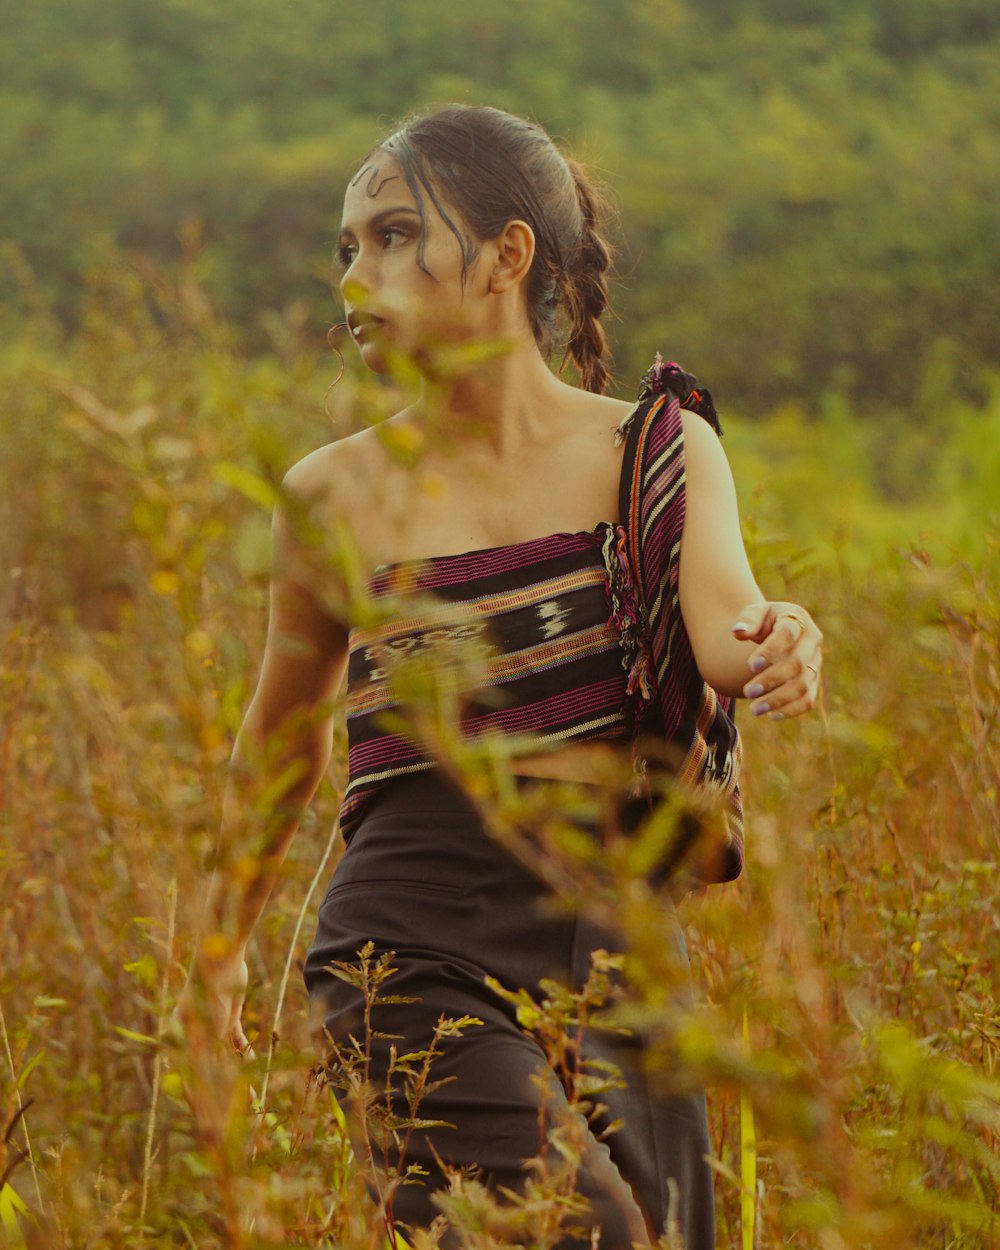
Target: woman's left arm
{"x":744,"y":646}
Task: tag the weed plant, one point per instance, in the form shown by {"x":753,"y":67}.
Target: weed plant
{"x":139,"y":462}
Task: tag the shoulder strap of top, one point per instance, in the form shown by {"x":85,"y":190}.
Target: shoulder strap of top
{"x":635,"y":433}
{"x":651,"y":507}
{"x":661,"y":384}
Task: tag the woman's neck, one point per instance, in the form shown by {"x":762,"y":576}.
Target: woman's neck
{"x":498,"y":406}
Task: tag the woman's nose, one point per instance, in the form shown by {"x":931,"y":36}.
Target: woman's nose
{"x":357,"y":276}
{"x":348,"y":280}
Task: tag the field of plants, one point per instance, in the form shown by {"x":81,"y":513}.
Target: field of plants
{"x":805,"y":201}
{"x":858,"y":951}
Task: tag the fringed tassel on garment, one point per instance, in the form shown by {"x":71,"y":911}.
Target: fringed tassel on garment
{"x":621,"y":432}
{"x":629,"y":619}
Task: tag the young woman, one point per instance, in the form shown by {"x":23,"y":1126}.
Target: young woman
{"x":589,"y":551}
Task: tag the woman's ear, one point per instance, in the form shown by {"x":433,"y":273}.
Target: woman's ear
{"x":515,"y":245}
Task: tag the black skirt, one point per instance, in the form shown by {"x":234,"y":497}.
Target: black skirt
{"x":422,"y":878}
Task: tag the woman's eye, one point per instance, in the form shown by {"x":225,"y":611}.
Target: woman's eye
{"x":389,"y":237}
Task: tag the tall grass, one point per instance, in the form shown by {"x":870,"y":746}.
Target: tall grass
{"x":860,"y":945}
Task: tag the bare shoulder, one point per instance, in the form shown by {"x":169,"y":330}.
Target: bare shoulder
{"x":336,"y":476}
{"x":312,"y":479}
{"x":600,"y":413}
{"x":350,"y":487}
{"x":704,"y":456}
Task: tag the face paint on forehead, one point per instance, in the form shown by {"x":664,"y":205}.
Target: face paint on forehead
{"x":375,"y":182}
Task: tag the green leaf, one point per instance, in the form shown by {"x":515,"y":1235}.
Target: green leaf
{"x":173,"y":1085}
{"x":145,"y":970}
{"x":257,"y":489}
{"x":144,"y":1038}
{"x":29,"y":1067}
{"x":11,"y":1206}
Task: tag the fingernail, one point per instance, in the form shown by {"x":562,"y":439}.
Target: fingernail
{"x":761,"y":709}
{"x":754,"y":690}
{"x":757,"y":663}
{"x":741,"y":625}
{"x":777,"y":716}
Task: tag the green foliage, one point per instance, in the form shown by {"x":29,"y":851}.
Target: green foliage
{"x":806,"y":191}
{"x":140,"y":455}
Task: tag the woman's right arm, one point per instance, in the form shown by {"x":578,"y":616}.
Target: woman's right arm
{"x":280,"y":756}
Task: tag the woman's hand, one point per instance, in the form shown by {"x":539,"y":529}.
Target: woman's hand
{"x":212,"y":1000}
{"x":786,"y":666}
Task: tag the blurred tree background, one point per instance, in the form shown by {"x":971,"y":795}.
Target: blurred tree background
{"x":807,"y":188}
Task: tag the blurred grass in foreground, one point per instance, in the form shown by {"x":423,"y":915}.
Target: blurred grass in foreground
{"x":862,"y":941}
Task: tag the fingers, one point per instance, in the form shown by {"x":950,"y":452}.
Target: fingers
{"x":778,"y":696}
{"x":755,"y":622}
{"x":237,"y":1038}
{"x":241,"y":1043}
{"x":210,"y":1006}
{"x":786,"y":665}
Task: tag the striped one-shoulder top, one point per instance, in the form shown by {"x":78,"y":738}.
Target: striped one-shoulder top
{"x":555,"y":640}
{"x":536,"y":643}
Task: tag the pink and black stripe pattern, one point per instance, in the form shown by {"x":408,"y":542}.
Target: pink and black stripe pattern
{"x":522,"y":636}
{"x":695,"y":718}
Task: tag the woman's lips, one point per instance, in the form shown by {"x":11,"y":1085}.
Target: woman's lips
{"x":360,"y":324}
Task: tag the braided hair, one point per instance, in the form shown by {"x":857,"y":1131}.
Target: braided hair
{"x":490,"y":168}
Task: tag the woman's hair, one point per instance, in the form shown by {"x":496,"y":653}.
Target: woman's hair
{"x":494,"y":168}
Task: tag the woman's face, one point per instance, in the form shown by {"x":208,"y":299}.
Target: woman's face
{"x":392,"y":305}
